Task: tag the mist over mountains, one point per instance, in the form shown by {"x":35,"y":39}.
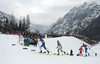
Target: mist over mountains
{"x":38,"y":28}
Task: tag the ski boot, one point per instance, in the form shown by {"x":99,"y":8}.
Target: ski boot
{"x":48,"y":52}
{"x":58,"y":53}
{"x":86,"y":55}
{"x":40,"y":52}
{"x":81,"y":54}
{"x":64,"y":53}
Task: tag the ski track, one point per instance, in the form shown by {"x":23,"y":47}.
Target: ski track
{"x":16,"y":55}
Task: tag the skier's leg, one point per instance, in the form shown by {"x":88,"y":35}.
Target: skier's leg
{"x":45,"y":48}
{"x":63,"y":51}
{"x":41,"y":49}
{"x":58,"y":51}
{"x":86,"y":52}
{"x":80,"y":53}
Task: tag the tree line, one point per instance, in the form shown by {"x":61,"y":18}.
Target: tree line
{"x":12,"y":26}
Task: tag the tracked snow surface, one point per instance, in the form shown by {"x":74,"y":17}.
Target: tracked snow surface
{"x":11,"y":52}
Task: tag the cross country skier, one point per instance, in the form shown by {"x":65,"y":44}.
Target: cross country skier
{"x":43,"y":45}
{"x":86,"y":49}
{"x":59,"y":47}
{"x":81,"y":49}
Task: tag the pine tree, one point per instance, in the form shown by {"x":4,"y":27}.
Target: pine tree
{"x":24,"y":25}
{"x":20,"y":24}
{"x":27,"y":22}
{"x":0,"y":25}
{"x":16,"y":29}
{"x":10,"y":27}
{"x":13,"y":22}
{"x":5,"y":25}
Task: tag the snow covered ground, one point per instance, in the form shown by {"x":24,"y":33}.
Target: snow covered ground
{"x":16,"y":55}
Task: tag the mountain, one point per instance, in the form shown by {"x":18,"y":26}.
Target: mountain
{"x":77,"y":19}
{"x":93,"y":30}
{"x":4,"y":16}
{"x":40,"y":28}
{"x":8,"y":23}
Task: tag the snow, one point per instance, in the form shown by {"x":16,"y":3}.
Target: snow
{"x":16,"y":55}
{"x":80,"y":17}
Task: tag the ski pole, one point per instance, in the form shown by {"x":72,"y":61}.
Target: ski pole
{"x":38,"y":44}
{"x":50,"y":51}
{"x":94,"y":52}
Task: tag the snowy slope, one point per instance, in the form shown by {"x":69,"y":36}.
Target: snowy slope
{"x":77,"y":19}
{"x":16,"y":55}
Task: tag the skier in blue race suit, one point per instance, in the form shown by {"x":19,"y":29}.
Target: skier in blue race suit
{"x":43,"y":45}
{"x":86,"y":49}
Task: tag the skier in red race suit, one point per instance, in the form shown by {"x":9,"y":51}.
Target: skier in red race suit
{"x":81,"y":51}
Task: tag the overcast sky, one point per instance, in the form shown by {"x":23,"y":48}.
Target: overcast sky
{"x":43,"y":12}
